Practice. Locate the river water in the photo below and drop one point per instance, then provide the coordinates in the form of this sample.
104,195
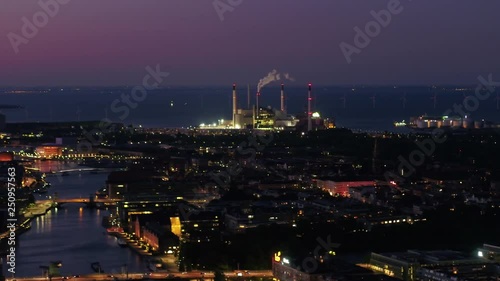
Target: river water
72,234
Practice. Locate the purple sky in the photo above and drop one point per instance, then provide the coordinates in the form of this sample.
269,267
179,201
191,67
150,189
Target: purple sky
96,42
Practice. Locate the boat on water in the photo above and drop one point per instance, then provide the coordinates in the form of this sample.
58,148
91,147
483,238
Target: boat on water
121,243
154,264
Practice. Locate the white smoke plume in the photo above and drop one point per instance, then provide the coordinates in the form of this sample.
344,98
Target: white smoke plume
271,77
288,77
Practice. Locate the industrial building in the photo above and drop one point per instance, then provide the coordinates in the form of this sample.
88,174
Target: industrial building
268,118
442,265
446,122
320,268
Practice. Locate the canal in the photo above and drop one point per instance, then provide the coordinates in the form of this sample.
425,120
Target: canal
72,234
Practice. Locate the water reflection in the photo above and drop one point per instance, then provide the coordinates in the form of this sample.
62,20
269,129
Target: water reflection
71,233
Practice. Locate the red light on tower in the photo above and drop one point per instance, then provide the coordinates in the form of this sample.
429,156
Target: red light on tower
309,109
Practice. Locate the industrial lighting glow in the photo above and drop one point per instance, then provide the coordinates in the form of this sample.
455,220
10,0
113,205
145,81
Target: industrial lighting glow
316,115
286,261
480,254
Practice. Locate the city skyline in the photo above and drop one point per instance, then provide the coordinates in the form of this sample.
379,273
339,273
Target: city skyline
249,140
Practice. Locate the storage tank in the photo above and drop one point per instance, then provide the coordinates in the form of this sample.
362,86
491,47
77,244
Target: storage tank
456,123
468,123
446,122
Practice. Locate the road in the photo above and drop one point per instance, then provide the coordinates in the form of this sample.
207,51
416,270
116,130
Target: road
153,276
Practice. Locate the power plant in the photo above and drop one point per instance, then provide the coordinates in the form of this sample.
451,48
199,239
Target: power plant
268,118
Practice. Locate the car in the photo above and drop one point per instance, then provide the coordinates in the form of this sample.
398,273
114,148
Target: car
76,276
184,272
239,274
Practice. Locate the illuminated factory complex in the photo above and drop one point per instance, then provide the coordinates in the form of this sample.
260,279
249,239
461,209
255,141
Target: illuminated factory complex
267,118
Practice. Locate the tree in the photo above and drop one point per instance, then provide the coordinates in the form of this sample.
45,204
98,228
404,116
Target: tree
219,276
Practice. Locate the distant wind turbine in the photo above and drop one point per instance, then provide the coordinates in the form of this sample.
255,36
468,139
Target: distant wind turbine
78,111
373,98
343,99
434,98
404,100
498,100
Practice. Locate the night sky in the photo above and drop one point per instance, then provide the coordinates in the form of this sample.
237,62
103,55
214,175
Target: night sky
97,42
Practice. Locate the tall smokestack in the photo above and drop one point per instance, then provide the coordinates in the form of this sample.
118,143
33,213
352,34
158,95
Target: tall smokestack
309,110
235,106
282,97
257,102
248,96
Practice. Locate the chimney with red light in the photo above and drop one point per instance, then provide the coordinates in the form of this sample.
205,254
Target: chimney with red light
235,106
309,110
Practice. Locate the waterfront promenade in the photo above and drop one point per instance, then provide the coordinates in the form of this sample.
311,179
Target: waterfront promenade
40,208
